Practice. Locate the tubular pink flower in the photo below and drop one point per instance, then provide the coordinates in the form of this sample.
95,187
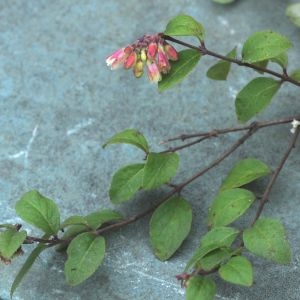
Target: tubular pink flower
153,72
117,59
162,60
131,60
171,52
152,50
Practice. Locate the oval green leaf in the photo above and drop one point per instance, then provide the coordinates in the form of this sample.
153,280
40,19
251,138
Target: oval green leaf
126,182
10,241
187,61
228,206
254,97
264,45
237,270
74,220
214,259
39,211
159,169
224,1
131,137
200,288
267,238
85,255
220,70
245,171
169,226
28,264
293,13
97,218
281,60
184,25
296,75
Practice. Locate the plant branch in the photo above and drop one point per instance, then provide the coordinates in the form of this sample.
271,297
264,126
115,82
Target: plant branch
204,51
264,198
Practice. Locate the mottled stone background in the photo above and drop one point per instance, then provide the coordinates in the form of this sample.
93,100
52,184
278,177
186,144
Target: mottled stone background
59,103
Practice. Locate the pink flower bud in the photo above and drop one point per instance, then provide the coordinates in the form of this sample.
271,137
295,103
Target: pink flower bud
138,69
152,49
131,60
162,61
117,59
153,72
171,52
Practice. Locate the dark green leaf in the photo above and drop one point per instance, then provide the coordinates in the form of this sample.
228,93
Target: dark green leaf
39,211
262,64
293,13
159,169
264,45
267,239
129,136
28,264
85,255
187,61
229,205
126,182
214,259
74,220
184,25
296,75
97,218
10,242
220,70
200,288
245,171
237,270
254,97
169,226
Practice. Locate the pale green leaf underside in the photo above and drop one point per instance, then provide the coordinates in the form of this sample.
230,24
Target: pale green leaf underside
10,241
293,13
200,288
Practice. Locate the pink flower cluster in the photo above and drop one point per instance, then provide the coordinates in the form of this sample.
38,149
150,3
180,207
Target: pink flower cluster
150,50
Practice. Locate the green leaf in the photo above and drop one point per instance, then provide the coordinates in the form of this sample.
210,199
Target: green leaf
245,171
184,25
10,241
293,13
264,45
187,61
39,211
159,169
267,239
261,64
129,136
74,220
254,97
97,218
126,182
229,205
296,75
237,270
223,1
222,235
169,226
281,60
200,288
221,69
216,238
28,264
71,231
214,259
85,255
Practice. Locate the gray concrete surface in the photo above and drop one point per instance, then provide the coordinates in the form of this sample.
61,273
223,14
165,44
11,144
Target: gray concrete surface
59,103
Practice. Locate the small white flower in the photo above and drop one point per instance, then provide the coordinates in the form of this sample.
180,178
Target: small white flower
295,123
